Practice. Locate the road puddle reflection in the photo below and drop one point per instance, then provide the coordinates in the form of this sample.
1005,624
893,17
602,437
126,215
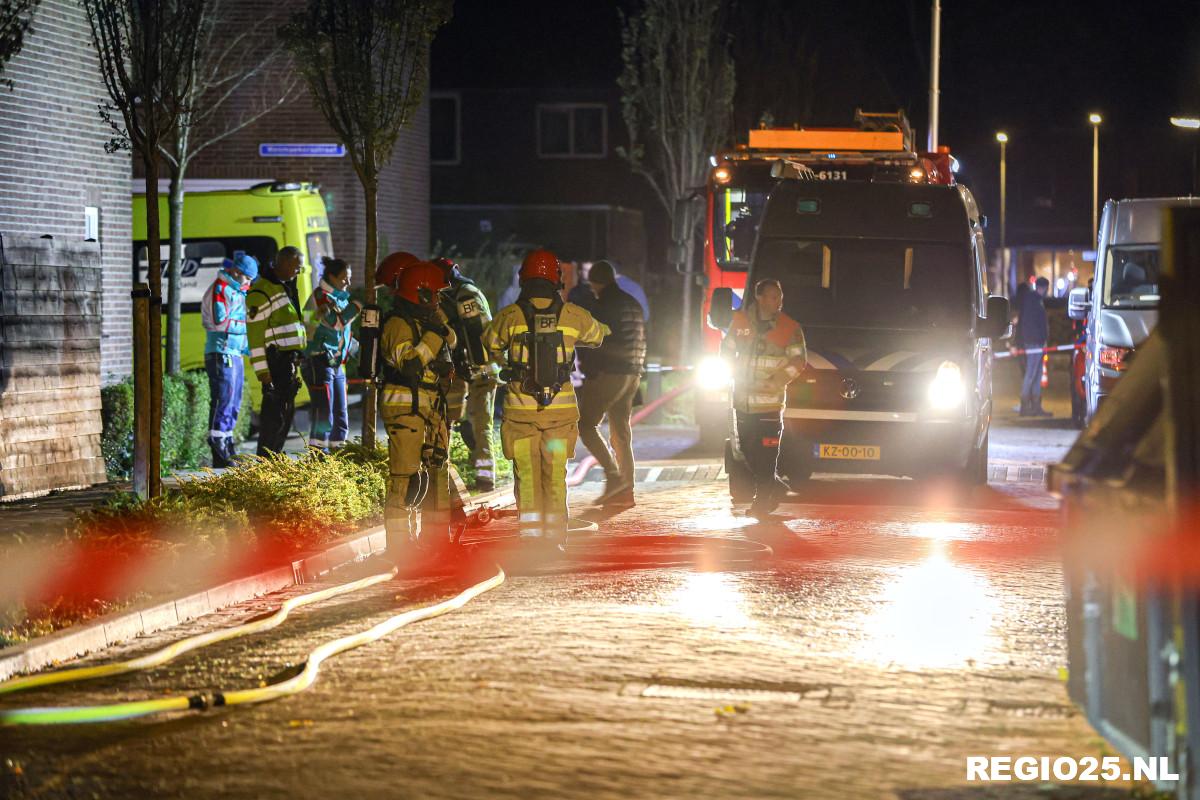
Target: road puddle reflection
709,599
934,614
716,521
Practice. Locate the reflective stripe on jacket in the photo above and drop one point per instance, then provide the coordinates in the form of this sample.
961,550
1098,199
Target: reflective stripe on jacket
503,341
397,347
228,314
766,356
271,319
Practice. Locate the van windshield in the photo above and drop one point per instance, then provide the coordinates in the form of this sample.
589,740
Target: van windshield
883,284
1131,277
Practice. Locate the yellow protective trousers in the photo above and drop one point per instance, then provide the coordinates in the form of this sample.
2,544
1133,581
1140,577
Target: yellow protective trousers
479,401
539,451
423,487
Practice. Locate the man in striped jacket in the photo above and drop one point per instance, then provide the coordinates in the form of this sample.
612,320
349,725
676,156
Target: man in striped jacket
767,350
277,341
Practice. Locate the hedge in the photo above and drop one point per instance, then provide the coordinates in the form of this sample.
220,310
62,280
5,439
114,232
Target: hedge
184,429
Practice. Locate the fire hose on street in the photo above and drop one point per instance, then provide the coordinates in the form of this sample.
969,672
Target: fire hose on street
290,684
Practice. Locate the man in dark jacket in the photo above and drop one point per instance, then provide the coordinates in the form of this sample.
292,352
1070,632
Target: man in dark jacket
1034,330
612,375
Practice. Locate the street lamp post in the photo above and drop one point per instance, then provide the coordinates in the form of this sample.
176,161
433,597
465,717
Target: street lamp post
1002,138
1189,124
1095,119
935,90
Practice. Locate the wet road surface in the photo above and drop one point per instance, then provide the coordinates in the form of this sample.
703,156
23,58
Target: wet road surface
891,630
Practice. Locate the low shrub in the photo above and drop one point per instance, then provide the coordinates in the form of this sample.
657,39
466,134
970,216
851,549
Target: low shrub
300,501
184,429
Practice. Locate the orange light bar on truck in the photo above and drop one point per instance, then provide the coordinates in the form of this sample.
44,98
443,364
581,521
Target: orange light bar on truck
826,140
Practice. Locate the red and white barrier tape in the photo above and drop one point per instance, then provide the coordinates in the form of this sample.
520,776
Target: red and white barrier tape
1062,348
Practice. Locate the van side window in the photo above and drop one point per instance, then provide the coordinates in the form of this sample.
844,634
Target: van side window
202,259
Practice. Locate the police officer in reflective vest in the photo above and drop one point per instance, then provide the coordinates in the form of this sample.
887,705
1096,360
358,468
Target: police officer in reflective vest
534,340
767,350
277,340
474,386
415,353
223,311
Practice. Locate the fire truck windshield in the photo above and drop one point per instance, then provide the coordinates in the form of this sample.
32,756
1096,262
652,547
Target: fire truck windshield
736,211
894,285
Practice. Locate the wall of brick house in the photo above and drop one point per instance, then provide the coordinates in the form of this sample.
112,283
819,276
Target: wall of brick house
53,164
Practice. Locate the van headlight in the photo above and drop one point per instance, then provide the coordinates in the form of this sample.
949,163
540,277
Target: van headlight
947,391
713,372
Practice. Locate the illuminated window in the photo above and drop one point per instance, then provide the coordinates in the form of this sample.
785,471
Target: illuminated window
572,131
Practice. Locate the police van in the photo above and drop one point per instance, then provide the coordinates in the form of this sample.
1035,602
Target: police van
888,281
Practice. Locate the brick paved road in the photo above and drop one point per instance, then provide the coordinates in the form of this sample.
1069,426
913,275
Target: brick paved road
893,633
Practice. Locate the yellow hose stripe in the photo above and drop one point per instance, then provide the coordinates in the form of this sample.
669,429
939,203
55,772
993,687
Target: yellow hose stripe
312,665
176,649
294,685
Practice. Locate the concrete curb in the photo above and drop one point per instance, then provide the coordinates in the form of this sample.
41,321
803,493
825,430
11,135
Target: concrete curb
119,626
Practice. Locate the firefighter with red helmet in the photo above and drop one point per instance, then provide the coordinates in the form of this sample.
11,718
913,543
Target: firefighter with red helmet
534,340
415,370
473,389
387,274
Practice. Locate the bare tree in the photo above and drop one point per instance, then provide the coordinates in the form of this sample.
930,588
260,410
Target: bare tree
231,61
15,16
677,85
147,51
366,65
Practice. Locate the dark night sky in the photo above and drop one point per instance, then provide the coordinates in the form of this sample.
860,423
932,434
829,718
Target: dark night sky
1032,68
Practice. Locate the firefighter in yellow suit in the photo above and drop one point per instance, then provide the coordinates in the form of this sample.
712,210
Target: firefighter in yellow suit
534,341
414,348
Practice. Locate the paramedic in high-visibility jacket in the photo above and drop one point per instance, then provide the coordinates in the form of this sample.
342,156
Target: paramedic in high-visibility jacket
275,325
767,351
223,311
534,341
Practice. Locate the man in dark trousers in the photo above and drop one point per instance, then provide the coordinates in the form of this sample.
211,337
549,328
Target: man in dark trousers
275,327
612,375
1034,331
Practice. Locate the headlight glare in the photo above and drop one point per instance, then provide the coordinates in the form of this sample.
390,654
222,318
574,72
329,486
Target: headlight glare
947,391
713,372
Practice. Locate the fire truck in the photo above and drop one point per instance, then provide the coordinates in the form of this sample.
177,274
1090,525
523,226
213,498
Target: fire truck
879,148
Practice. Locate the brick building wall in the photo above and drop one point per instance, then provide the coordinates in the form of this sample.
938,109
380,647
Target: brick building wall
404,183
53,165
